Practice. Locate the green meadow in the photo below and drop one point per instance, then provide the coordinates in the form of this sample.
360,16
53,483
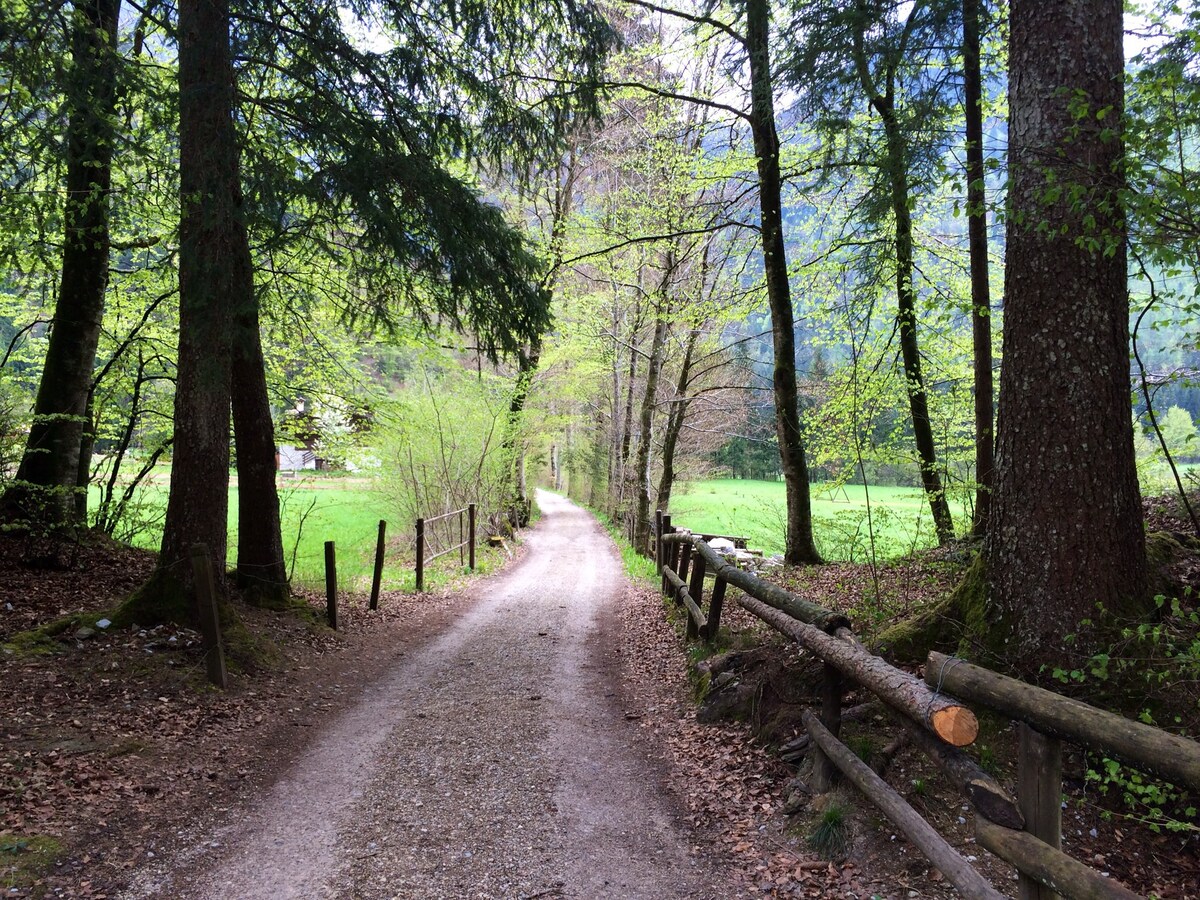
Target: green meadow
845,518
314,509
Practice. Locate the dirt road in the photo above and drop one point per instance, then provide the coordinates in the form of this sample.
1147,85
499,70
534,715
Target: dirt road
494,761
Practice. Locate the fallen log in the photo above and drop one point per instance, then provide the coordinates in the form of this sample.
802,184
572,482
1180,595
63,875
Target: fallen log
1049,866
907,694
984,793
937,850
1167,755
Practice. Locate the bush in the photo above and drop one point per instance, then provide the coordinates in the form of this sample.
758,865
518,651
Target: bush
444,447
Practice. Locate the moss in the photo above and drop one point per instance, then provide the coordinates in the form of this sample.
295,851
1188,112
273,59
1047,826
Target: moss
49,638
162,599
25,859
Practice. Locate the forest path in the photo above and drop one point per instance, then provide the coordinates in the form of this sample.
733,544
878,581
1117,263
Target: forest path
493,761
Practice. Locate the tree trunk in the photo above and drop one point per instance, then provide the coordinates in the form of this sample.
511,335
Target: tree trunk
597,461
799,546
641,522
675,422
906,318
1066,529
43,493
520,506
977,242
260,563
215,279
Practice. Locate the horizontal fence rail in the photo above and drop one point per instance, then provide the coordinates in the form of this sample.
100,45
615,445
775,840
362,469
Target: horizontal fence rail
465,545
1025,830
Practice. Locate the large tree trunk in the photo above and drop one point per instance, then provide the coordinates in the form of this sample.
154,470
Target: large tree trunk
1066,530
641,522
520,505
799,547
260,563
906,319
675,420
215,279
977,242
43,494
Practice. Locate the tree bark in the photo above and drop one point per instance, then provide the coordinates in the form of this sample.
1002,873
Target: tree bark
641,522
675,420
46,481
799,546
260,563
906,318
215,278
1066,529
977,244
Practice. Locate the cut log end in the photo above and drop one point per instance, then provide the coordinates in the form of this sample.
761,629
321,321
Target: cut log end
956,725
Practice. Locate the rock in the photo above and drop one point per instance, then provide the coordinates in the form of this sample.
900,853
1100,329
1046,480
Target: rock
84,633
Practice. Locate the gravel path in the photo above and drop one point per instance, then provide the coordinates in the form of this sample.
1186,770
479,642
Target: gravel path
494,761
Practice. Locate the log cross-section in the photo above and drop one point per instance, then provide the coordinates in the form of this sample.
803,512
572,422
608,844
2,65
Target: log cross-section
943,715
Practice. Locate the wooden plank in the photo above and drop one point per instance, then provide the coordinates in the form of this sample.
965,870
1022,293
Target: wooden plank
658,544
924,837
943,715
471,535
1172,757
1050,867
1039,793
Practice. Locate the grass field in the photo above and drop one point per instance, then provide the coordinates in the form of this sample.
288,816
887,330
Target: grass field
314,510
899,517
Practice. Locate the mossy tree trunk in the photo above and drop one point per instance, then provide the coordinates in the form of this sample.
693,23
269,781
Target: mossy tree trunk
1066,530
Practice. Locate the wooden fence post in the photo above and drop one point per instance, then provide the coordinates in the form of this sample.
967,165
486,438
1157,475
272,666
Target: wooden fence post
685,558
824,774
377,578
696,591
331,598
1039,795
420,555
658,536
471,535
210,622
714,610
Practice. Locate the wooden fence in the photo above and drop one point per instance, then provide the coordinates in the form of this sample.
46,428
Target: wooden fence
466,539
1025,830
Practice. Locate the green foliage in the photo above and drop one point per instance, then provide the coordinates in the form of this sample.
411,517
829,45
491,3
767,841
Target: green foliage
1157,659
441,448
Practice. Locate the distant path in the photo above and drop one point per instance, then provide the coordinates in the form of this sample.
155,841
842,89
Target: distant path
492,762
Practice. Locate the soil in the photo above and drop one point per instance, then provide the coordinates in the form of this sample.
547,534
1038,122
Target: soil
529,735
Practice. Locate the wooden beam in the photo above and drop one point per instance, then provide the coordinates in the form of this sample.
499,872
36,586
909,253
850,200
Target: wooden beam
944,716
1052,868
985,794
1172,757
937,850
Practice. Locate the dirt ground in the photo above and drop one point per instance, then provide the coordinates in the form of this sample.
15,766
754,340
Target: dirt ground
531,735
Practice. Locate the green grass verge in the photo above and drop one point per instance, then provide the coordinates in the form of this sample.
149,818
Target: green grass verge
899,517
